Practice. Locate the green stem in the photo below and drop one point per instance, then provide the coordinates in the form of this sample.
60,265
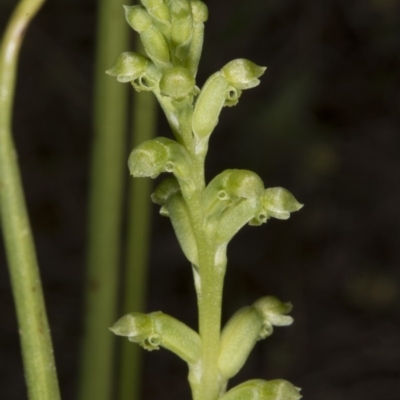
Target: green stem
105,207
138,238
34,331
209,385
210,304
205,383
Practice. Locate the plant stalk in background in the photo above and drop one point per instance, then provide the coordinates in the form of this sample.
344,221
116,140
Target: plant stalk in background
205,216
105,208
37,352
137,246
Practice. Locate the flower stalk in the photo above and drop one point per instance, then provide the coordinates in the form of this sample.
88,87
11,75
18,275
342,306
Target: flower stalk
205,216
37,351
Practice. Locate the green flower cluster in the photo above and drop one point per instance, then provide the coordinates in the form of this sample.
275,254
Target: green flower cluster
204,216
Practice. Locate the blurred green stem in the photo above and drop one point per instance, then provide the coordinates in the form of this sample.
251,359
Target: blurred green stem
39,365
138,238
105,207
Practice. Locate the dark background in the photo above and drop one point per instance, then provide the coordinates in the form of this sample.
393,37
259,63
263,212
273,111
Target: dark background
324,124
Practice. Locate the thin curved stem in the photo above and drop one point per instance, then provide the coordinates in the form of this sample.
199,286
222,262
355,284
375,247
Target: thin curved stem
34,331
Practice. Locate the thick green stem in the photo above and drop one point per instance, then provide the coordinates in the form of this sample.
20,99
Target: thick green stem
105,207
138,238
208,385
205,381
210,304
34,331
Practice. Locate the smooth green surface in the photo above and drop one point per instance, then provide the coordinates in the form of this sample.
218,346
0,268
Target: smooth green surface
105,207
38,359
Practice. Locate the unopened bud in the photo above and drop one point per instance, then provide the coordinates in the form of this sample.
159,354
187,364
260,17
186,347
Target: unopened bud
199,11
138,328
200,15
242,73
274,314
138,18
177,82
181,27
157,9
209,105
164,190
230,187
279,203
158,329
148,159
153,40
128,66
238,338
245,327
179,8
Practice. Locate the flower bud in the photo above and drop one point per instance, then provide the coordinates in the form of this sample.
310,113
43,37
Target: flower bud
154,42
180,165
148,79
138,18
230,187
242,73
177,337
279,203
273,311
177,82
165,189
241,183
199,11
238,338
245,327
181,35
234,218
222,89
181,27
158,329
209,105
258,389
160,16
148,159
230,201
128,66
138,328
157,9
200,15
179,8
158,155
156,47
